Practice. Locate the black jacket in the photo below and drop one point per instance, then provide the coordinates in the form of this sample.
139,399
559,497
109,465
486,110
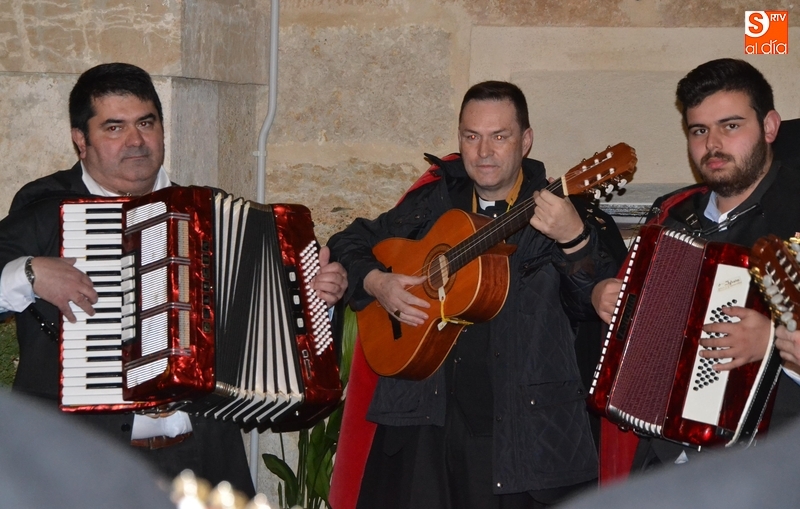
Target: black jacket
541,430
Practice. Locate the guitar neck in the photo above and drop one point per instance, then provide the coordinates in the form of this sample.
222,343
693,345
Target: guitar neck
496,231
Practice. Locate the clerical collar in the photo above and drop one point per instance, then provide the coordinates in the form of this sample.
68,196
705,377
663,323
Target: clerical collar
484,204
492,208
162,181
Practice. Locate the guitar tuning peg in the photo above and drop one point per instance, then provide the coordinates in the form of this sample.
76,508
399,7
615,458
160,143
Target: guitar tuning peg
621,183
610,188
597,194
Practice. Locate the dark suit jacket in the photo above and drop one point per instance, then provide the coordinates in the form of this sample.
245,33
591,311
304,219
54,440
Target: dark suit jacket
216,450
787,144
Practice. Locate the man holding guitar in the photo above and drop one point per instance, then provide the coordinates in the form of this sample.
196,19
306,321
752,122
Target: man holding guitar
500,420
746,193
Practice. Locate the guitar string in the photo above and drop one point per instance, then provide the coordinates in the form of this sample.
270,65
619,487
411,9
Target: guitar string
459,251
515,213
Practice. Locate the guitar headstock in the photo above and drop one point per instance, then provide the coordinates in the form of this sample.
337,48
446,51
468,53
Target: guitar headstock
603,172
775,268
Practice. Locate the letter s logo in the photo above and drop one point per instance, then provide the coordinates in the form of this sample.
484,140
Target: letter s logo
756,23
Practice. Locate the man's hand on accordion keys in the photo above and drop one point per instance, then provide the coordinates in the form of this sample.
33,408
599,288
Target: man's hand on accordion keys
331,281
743,341
58,282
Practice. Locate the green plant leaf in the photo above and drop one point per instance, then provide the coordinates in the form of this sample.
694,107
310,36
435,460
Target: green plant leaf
279,467
319,462
349,333
335,423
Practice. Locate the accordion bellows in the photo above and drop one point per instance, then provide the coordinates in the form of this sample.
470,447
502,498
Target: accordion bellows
216,313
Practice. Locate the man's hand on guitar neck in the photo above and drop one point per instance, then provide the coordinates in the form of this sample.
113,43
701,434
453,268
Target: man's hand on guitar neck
390,291
557,218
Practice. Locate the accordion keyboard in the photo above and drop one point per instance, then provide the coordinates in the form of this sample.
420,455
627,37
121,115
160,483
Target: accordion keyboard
92,366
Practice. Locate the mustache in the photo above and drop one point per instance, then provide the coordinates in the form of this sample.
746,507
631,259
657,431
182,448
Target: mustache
136,152
716,155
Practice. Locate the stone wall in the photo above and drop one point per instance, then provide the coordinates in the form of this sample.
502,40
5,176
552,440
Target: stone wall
366,86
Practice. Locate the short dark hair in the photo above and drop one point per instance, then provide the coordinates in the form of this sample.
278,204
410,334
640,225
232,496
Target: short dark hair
108,79
499,91
729,75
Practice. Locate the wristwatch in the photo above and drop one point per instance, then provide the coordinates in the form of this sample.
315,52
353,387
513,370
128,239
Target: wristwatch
29,271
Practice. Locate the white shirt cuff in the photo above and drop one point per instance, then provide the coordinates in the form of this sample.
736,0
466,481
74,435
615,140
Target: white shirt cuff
171,426
16,293
791,374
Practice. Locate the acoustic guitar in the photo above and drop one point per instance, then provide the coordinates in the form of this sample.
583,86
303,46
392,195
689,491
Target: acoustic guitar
776,269
464,258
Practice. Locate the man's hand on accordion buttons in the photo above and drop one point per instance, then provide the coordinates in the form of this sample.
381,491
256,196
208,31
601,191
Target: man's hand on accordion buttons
59,283
331,281
604,298
744,341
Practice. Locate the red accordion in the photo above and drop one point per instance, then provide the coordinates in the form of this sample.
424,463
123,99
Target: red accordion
650,377
205,304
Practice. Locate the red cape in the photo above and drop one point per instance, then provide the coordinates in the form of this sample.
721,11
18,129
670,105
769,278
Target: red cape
355,436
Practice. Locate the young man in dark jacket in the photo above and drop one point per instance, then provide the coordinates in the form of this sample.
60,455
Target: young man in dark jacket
502,423
746,193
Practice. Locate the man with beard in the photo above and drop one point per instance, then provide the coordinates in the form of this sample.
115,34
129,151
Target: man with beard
746,193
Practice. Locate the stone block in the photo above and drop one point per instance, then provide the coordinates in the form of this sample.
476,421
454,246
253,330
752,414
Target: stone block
69,37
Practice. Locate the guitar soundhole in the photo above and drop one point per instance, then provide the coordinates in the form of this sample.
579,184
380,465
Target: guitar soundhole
437,271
